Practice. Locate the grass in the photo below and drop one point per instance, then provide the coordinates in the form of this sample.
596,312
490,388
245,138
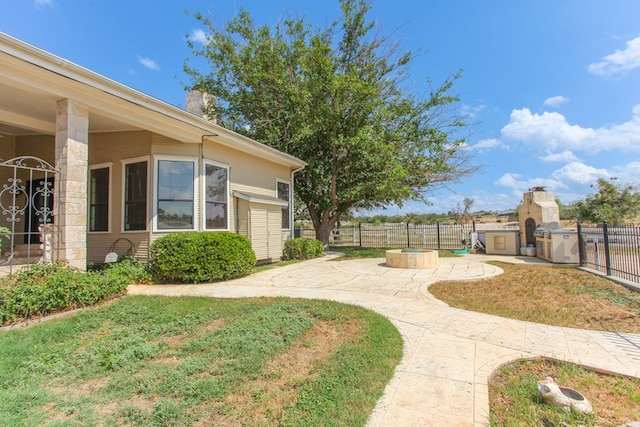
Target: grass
156,361
515,400
357,252
560,296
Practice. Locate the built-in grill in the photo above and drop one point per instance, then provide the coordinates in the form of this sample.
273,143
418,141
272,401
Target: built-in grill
544,230
556,244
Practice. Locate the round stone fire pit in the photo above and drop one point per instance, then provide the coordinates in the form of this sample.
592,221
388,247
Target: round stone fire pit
412,258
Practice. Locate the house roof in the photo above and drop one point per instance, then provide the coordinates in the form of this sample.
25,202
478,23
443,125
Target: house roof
33,80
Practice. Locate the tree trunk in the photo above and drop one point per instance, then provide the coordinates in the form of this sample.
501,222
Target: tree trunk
323,232
323,224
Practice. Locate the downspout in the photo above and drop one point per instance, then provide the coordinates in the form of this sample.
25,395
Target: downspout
237,209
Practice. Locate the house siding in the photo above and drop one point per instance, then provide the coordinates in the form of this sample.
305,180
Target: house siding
247,173
112,148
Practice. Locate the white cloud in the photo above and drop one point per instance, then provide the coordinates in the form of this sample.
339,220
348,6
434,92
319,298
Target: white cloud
579,173
550,131
520,186
485,144
493,202
620,61
149,63
556,101
40,3
198,36
564,157
629,173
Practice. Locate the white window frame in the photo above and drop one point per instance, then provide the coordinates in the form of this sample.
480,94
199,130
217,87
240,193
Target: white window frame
204,194
196,193
109,166
290,201
126,162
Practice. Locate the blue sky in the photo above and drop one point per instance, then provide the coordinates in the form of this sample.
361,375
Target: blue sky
552,87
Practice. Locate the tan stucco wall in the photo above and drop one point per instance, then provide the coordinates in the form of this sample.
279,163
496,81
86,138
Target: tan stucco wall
248,173
502,242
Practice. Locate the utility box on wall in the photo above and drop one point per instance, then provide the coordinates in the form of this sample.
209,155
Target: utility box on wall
502,242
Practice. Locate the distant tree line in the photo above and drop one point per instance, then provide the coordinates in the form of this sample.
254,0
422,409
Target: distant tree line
613,203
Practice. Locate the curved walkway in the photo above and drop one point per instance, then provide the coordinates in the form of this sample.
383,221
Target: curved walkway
449,354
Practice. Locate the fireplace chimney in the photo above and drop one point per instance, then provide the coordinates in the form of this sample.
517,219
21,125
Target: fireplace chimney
197,102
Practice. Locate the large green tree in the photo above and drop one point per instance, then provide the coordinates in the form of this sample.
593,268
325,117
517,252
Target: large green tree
338,98
613,203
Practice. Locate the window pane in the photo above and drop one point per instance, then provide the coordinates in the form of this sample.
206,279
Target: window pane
216,216
175,215
135,196
175,180
216,197
283,194
175,194
99,200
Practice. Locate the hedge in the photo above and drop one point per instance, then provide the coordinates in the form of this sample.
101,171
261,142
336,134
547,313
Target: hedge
49,288
200,256
301,248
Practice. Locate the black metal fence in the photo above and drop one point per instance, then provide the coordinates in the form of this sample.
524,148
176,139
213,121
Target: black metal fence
427,236
612,250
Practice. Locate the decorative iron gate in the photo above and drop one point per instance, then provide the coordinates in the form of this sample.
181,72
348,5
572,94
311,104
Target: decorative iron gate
27,201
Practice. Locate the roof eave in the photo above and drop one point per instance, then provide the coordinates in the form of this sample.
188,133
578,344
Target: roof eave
187,127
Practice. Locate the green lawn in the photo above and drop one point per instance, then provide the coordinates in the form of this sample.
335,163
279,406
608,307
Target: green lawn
156,361
559,296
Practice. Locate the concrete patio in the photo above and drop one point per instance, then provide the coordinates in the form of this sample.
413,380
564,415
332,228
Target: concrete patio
449,354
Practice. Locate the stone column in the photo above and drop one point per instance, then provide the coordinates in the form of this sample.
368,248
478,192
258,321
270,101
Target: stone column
72,158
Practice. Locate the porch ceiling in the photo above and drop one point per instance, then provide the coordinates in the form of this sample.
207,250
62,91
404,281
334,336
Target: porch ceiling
32,82
32,111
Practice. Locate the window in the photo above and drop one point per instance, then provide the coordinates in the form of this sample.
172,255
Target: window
175,195
216,196
135,196
99,198
284,194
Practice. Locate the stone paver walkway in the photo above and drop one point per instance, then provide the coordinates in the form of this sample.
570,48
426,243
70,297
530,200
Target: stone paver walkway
449,354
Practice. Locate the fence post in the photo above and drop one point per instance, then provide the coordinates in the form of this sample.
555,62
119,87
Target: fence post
581,249
438,232
408,239
607,254
360,233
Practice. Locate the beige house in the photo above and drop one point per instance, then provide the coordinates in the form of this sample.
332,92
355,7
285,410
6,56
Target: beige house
111,169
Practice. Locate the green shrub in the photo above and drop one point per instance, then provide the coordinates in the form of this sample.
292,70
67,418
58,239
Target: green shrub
196,257
131,268
49,288
301,248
